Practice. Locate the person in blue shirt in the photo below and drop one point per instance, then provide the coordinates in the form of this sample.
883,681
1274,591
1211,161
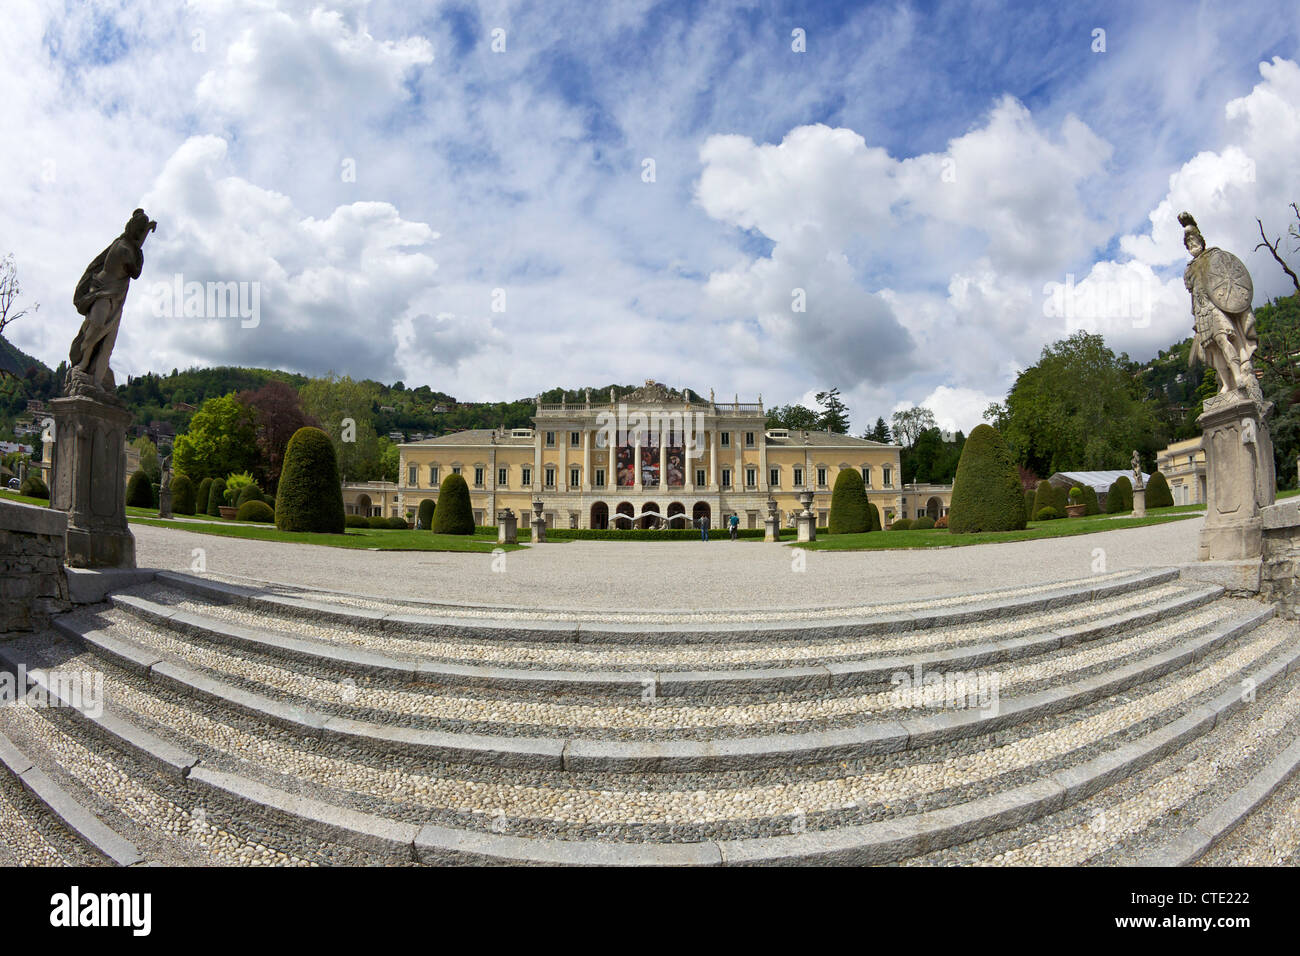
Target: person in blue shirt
734,523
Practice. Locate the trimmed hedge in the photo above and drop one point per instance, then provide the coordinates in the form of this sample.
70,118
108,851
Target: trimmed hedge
424,520
1158,493
923,523
182,495
986,494
849,514
201,496
1119,498
902,524
34,487
385,524
310,497
1090,500
1044,497
356,521
139,493
1029,505
248,493
875,518
255,511
454,515
216,497
1047,513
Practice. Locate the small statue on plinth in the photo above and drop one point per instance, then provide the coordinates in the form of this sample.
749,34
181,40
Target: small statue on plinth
1137,470
100,296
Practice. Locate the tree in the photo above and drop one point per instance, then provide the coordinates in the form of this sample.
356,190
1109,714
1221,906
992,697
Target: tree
835,414
148,457
793,417
216,497
1119,498
345,409
310,496
1079,409
909,424
1158,493
986,494
221,439
849,513
277,415
879,432
182,495
1044,497
139,493
454,514
425,519
10,291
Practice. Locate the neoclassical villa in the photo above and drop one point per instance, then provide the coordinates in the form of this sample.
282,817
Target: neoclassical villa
653,457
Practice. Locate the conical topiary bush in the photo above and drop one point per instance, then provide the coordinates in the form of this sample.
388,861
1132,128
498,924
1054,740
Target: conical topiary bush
454,514
309,496
849,513
986,494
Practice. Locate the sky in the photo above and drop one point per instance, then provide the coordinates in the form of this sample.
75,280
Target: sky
906,201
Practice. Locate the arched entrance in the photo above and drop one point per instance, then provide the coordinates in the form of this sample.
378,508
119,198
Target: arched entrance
623,515
649,515
363,505
701,510
677,515
600,515
934,508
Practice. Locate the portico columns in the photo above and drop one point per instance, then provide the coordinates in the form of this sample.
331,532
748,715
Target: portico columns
586,459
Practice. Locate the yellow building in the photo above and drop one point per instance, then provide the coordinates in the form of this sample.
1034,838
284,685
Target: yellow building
1183,465
651,457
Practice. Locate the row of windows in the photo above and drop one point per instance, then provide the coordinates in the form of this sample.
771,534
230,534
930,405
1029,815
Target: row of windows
701,477
575,439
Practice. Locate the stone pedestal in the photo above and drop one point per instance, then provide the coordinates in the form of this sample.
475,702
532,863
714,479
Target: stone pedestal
88,481
164,503
1239,476
1139,502
507,527
771,528
806,526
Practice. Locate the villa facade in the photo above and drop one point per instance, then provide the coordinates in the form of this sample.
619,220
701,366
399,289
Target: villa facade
653,457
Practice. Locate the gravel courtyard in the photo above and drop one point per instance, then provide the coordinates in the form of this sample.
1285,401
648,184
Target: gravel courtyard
673,575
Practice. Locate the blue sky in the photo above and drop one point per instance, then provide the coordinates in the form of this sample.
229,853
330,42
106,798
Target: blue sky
924,173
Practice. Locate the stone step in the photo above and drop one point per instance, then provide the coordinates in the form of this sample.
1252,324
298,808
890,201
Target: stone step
577,753
670,628
1269,835
1136,815
875,842
844,671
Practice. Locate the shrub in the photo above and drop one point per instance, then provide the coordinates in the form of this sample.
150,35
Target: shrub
986,494
1092,506
1060,497
941,521
1029,505
875,518
901,524
386,524
1047,513
255,511
235,484
182,496
356,521
425,519
1076,495
923,523
34,487
1119,498
453,514
245,494
1044,497
309,497
201,497
849,514
139,494
216,496
1158,493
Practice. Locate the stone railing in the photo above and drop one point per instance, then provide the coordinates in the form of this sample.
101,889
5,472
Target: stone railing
1278,576
33,585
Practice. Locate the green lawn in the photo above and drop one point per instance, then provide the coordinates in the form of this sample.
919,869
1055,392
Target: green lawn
366,539
941,538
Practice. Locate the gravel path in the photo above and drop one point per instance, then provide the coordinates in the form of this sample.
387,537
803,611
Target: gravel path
674,575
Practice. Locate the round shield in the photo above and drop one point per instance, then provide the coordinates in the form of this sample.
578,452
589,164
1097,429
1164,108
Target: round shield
1228,282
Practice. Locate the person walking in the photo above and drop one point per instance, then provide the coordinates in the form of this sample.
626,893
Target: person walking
703,523
734,524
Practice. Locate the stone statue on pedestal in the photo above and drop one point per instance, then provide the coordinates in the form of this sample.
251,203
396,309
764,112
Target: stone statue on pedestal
100,296
1137,470
165,489
1240,476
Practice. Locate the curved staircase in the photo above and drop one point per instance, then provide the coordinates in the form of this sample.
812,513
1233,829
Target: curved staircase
1124,719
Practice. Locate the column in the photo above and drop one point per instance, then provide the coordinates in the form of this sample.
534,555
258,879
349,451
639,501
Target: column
737,476
636,461
663,462
537,460
713,458
762,460
562,479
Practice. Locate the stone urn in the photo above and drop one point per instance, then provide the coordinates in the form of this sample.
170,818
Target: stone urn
1076,510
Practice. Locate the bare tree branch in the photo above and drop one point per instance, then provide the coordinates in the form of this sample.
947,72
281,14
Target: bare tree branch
1272,248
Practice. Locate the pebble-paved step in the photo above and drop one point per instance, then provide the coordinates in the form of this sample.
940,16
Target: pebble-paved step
879,841
679,629
161,813
982,812
335,692
1123,823
866,663
1270,836
521,745
33,830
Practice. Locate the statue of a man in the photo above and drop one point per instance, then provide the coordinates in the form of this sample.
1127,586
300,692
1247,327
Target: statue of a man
1224,321
1137,470
165,481
99,297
